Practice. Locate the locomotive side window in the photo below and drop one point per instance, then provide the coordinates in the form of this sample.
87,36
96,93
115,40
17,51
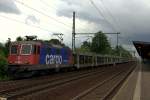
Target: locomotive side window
14,49
26,49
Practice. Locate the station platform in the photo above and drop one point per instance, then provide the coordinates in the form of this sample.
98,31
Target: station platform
137,85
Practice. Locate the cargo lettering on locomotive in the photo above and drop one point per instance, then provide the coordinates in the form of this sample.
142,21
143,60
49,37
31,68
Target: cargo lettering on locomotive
53,59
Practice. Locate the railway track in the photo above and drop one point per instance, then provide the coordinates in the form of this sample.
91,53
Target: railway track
108,86
29,86
50,88
10,85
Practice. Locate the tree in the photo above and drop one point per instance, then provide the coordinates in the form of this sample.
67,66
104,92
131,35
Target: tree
3,61
2,50
86,44
123,52
55,41
100,44
120,51
85,47
6,46
19,38
3,66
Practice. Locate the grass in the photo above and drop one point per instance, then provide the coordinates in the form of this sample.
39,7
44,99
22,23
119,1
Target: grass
4,78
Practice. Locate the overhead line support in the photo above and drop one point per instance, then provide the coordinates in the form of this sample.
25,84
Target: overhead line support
73,33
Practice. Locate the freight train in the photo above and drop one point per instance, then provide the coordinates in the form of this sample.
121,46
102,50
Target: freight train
29,57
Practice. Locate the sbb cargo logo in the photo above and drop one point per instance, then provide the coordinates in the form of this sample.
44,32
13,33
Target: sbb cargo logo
53,59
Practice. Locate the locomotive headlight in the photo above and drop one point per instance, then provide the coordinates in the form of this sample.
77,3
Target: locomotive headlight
10,62
26,62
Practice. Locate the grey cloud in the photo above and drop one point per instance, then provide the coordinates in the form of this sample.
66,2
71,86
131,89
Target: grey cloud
80,14
32,19
140,37
84,13
70,2
8,6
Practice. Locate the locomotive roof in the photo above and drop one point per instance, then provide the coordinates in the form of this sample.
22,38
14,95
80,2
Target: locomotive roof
26,42
39,42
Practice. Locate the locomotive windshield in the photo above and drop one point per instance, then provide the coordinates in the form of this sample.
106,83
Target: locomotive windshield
26,49
13,49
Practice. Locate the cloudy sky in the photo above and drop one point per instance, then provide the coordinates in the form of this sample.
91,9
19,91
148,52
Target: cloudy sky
45,17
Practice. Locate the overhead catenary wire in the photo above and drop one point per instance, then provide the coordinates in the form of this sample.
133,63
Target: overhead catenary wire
12,19
46,4
126,39
100,12
121,39
49,6
110,14
40,12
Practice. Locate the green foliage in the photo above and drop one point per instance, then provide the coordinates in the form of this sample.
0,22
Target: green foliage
3,61
56,42
83,50
19,38
123,52
100,44
86,44
120,51
6,47
3,50
114,52
3,66
85,47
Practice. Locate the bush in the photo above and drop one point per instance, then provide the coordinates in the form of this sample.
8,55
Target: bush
3,67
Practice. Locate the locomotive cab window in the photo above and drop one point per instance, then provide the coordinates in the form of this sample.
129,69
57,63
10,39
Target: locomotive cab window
13,49
26,49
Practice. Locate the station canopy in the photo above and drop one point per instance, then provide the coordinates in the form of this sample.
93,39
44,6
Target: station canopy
143,49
